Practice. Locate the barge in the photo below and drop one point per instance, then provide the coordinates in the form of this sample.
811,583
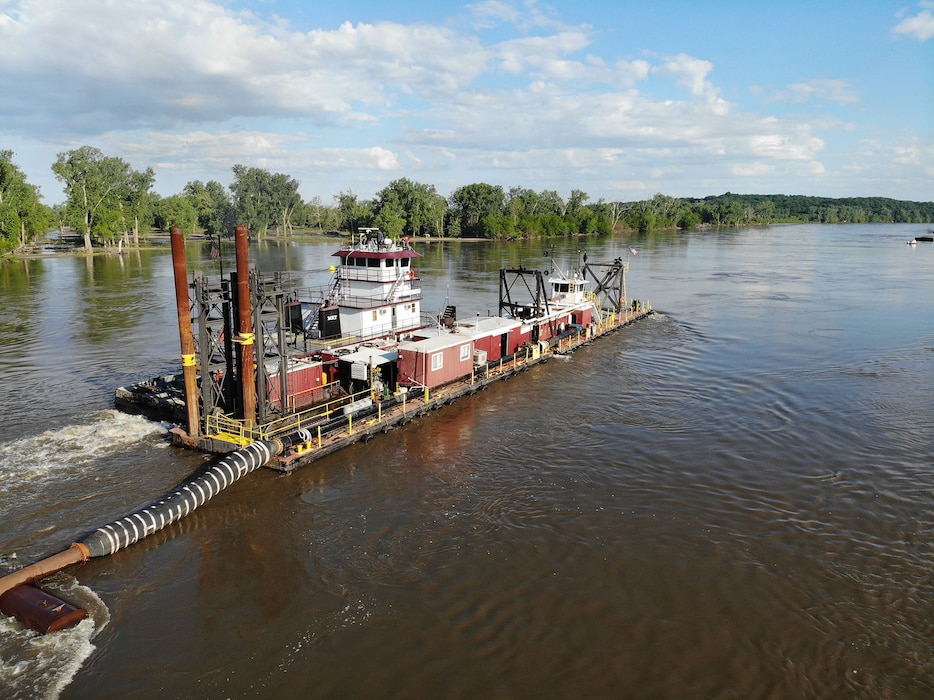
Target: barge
278,377
333,366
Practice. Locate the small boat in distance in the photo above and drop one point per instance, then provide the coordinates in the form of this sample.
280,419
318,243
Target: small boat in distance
926,238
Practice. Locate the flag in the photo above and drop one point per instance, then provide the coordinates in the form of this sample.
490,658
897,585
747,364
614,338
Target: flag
632,251
215,253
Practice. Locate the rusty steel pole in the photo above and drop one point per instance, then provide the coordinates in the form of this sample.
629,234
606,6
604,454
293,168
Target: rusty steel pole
246,370
186,337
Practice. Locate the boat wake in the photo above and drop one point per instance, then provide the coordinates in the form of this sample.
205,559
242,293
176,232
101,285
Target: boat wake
49,454
33,665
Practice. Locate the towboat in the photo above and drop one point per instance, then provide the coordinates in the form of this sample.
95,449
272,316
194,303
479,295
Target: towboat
357,356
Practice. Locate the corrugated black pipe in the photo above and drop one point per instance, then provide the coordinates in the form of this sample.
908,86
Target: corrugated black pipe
174,505
183,500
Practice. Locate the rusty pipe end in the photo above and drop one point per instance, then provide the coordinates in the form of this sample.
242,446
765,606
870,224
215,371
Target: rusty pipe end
77,553
40,610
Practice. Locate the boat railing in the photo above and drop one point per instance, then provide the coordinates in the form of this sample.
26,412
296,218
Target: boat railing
384,330
311,295
367,274
379,299
239,431
376,247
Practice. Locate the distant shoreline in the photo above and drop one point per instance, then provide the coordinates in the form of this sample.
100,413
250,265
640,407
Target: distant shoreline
160,239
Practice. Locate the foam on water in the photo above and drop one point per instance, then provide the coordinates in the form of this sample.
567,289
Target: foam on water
33,665
49,454
41,666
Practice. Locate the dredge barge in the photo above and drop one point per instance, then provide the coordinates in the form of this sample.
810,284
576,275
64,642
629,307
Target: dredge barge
277,377
357,357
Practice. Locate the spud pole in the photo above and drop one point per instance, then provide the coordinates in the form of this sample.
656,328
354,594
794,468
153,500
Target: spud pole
186,338
247,375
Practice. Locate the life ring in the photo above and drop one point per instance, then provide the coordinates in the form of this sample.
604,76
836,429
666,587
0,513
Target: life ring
411,274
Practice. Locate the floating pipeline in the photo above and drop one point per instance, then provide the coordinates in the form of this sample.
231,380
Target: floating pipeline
45,613
121,533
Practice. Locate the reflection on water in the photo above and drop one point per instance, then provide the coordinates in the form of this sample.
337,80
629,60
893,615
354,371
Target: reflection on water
730,499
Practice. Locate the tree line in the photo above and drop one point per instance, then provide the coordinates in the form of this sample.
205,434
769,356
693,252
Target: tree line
108,204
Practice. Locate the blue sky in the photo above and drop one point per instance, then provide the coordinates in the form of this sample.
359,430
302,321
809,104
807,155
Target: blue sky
619,99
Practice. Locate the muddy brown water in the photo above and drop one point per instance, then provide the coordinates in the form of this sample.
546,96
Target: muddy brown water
732,499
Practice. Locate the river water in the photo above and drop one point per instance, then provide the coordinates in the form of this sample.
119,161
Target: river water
732,499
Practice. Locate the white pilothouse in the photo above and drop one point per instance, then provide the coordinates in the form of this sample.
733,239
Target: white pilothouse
375,286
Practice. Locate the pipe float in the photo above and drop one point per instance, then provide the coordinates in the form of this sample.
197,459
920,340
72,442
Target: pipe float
33,609
39,610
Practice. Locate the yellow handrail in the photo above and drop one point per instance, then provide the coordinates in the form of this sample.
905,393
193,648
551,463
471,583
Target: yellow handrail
241,432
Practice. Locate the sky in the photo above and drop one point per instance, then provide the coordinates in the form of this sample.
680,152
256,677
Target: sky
620,99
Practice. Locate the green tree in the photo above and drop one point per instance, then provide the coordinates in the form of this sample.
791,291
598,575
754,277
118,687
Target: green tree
522,205
60,216
314,214
212,203
352,213
95,186
689,219
576,215
391,220
23,217
177,210
10,225
765,211
437,215
251,196
553,225
263,199
419,205
473,205
108,224
285,198
138,201
552,202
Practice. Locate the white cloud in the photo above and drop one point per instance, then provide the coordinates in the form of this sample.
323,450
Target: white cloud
919,26
754,169
525,15
786,146
490,13
907,155
191,87
689,72
830,90
518,55
167,62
